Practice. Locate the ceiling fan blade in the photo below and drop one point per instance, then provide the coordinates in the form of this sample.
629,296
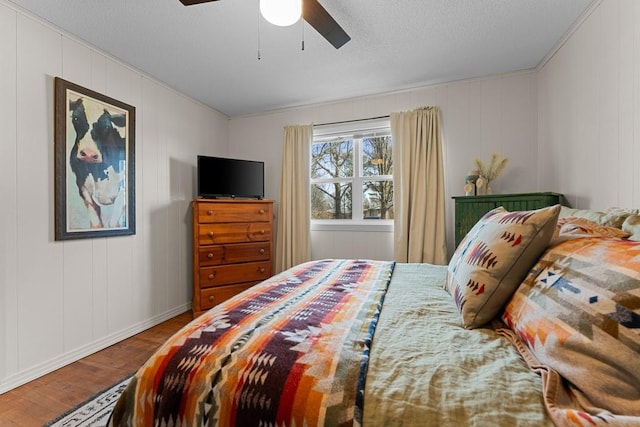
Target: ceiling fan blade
318,17
190,2
315,15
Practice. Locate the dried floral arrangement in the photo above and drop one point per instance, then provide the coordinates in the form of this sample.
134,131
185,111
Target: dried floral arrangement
493,169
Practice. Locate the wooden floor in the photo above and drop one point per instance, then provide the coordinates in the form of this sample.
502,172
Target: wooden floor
42,400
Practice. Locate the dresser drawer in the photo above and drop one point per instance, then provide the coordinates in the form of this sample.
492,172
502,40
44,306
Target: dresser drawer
214,296
232,248
233,253
210,234
236,273
234,212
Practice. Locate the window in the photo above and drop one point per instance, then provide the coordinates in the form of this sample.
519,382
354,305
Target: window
352,173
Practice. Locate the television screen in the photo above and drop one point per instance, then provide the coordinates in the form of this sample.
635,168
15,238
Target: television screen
222,177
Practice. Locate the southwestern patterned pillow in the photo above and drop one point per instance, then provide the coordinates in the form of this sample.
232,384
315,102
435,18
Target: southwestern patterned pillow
578,311
493,259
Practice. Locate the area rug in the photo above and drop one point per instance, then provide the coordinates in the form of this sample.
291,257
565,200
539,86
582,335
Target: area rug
95,411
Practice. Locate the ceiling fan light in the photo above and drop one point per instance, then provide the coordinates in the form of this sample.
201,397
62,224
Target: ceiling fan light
281,12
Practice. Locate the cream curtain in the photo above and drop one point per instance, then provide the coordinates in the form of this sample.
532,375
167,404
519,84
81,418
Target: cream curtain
419,225
293,242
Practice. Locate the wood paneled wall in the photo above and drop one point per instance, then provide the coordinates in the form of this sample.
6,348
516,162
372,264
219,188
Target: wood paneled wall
60,301
479,117
589,115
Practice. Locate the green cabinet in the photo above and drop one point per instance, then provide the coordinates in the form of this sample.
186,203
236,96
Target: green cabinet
469,209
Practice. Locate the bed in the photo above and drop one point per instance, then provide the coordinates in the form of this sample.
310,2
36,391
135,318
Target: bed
361,342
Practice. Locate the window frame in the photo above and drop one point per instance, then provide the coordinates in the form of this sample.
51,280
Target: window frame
356,131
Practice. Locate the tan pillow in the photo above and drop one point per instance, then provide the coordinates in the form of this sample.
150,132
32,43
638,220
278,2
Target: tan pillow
576,227
611,217
494,257
632,226
615,217
595,216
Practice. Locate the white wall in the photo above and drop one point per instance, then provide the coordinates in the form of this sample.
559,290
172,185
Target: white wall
62,300
480,117
589,115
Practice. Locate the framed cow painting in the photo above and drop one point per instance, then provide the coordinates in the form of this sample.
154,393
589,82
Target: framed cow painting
94,164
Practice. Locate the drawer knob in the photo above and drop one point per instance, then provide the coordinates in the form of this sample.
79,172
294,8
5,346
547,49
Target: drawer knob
262,250
261,211
261,269
209,213
261,231
211,298
210,234
212,276
210,255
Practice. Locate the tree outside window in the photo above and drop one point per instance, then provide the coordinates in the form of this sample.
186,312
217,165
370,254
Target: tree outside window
341,165
377,161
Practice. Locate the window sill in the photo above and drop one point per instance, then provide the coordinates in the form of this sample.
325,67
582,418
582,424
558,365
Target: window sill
364,225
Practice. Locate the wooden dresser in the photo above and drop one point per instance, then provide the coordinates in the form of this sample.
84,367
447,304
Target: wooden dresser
469,209
232,248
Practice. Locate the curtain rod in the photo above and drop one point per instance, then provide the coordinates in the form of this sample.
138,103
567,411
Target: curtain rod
353,121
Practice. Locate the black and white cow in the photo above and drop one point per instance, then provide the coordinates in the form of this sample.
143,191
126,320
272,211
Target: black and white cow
98,160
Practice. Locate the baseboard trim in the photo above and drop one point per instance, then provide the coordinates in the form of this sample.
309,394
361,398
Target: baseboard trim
58,362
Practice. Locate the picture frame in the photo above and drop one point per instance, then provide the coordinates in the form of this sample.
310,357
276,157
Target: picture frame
94,151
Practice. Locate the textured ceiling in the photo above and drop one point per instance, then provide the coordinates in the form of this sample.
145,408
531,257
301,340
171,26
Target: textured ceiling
210,51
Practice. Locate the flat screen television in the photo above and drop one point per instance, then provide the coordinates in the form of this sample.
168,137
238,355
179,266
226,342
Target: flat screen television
223,177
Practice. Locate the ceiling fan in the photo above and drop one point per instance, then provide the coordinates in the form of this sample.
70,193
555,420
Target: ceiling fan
315,15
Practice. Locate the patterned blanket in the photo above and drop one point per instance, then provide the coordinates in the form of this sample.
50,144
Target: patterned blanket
292,351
